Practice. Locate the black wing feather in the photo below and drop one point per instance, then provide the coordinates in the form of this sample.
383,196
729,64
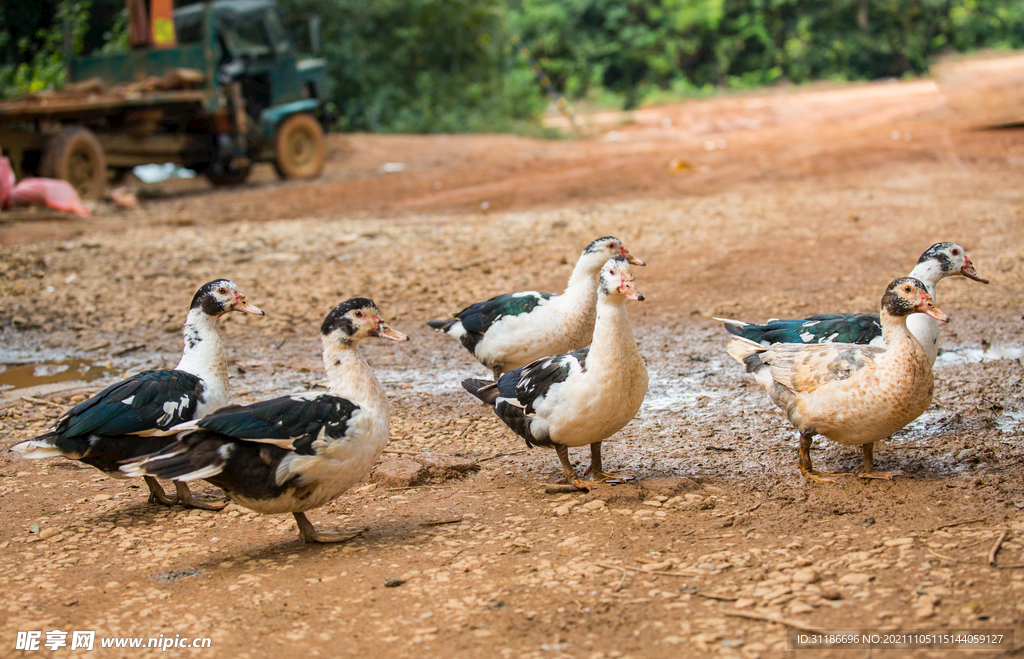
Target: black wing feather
528,383
480,316
285,418
106,414
861,328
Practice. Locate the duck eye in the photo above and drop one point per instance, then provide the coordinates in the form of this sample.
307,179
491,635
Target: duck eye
222,290
359,314
956,252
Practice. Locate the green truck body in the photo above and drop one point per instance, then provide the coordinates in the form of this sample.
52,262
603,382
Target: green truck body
234,91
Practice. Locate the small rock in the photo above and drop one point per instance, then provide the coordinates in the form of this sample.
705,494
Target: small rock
798,607
744,602
899,542
596,504
806,575
443,467
399,473
48,533
925,611
855,579
102,497
655,504
391,582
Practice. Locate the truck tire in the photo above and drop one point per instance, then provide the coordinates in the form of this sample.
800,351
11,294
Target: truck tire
225,176
300,148
75,155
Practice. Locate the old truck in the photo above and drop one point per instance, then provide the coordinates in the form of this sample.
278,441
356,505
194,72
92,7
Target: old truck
230,89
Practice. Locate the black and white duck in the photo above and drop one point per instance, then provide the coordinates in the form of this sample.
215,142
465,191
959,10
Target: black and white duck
514,329
583,397
938,261
294,453
130,418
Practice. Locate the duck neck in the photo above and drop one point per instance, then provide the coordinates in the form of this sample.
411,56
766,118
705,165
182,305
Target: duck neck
350,377
929,273
613,336
900,342
583,280
204,353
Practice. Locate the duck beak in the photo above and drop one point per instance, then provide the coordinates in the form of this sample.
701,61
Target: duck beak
928,308
243,306
628,288
382,331
969,272
632,259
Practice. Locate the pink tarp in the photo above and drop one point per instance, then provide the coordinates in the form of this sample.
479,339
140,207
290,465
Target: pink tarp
53,193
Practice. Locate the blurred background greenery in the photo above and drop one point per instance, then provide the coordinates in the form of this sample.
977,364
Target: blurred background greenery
449,65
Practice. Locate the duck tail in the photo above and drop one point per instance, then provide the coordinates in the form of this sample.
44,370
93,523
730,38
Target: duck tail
735,327
485,390
43,446
746,352
182,461
442,325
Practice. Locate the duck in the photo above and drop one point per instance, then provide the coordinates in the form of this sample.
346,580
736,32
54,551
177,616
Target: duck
582,397
513,329
939,261
130,418
852,394
293,453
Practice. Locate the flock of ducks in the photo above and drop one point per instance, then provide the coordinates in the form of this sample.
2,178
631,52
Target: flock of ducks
567,373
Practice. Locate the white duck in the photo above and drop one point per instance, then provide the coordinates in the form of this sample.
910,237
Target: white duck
938,261
514,329
582,397
852,394
130,418
294,453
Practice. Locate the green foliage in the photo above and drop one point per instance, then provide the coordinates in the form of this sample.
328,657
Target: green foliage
640,50
423,65
448,65
42,58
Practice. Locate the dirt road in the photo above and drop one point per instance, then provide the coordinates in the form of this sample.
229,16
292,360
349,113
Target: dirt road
793,202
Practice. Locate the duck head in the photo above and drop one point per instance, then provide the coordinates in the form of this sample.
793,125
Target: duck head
617,279
945,260
356,319
908,295
602,249
220,297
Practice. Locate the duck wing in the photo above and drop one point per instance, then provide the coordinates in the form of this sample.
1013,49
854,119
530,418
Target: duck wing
290,422
859,328
805,368
146,401
531,383
480,316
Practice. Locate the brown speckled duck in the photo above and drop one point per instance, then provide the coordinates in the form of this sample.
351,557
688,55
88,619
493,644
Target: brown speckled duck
852,394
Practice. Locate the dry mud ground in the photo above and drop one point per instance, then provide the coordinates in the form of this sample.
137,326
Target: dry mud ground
786,203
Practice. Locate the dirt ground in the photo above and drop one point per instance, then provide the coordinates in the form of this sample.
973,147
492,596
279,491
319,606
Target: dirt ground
787,203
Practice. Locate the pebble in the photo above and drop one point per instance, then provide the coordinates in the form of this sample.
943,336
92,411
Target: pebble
855,579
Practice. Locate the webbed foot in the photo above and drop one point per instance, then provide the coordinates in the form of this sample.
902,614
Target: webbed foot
157,494
308,532
187,499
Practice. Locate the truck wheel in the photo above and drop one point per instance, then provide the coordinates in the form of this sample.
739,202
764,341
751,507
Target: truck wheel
227,176
300,147
75,155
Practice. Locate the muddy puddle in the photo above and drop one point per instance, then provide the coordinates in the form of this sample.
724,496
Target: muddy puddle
20,376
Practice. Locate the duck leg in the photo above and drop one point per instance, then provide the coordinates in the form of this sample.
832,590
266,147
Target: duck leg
805,462
187,499
308,532
867,468
497,372
157,494
600,475
570,473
